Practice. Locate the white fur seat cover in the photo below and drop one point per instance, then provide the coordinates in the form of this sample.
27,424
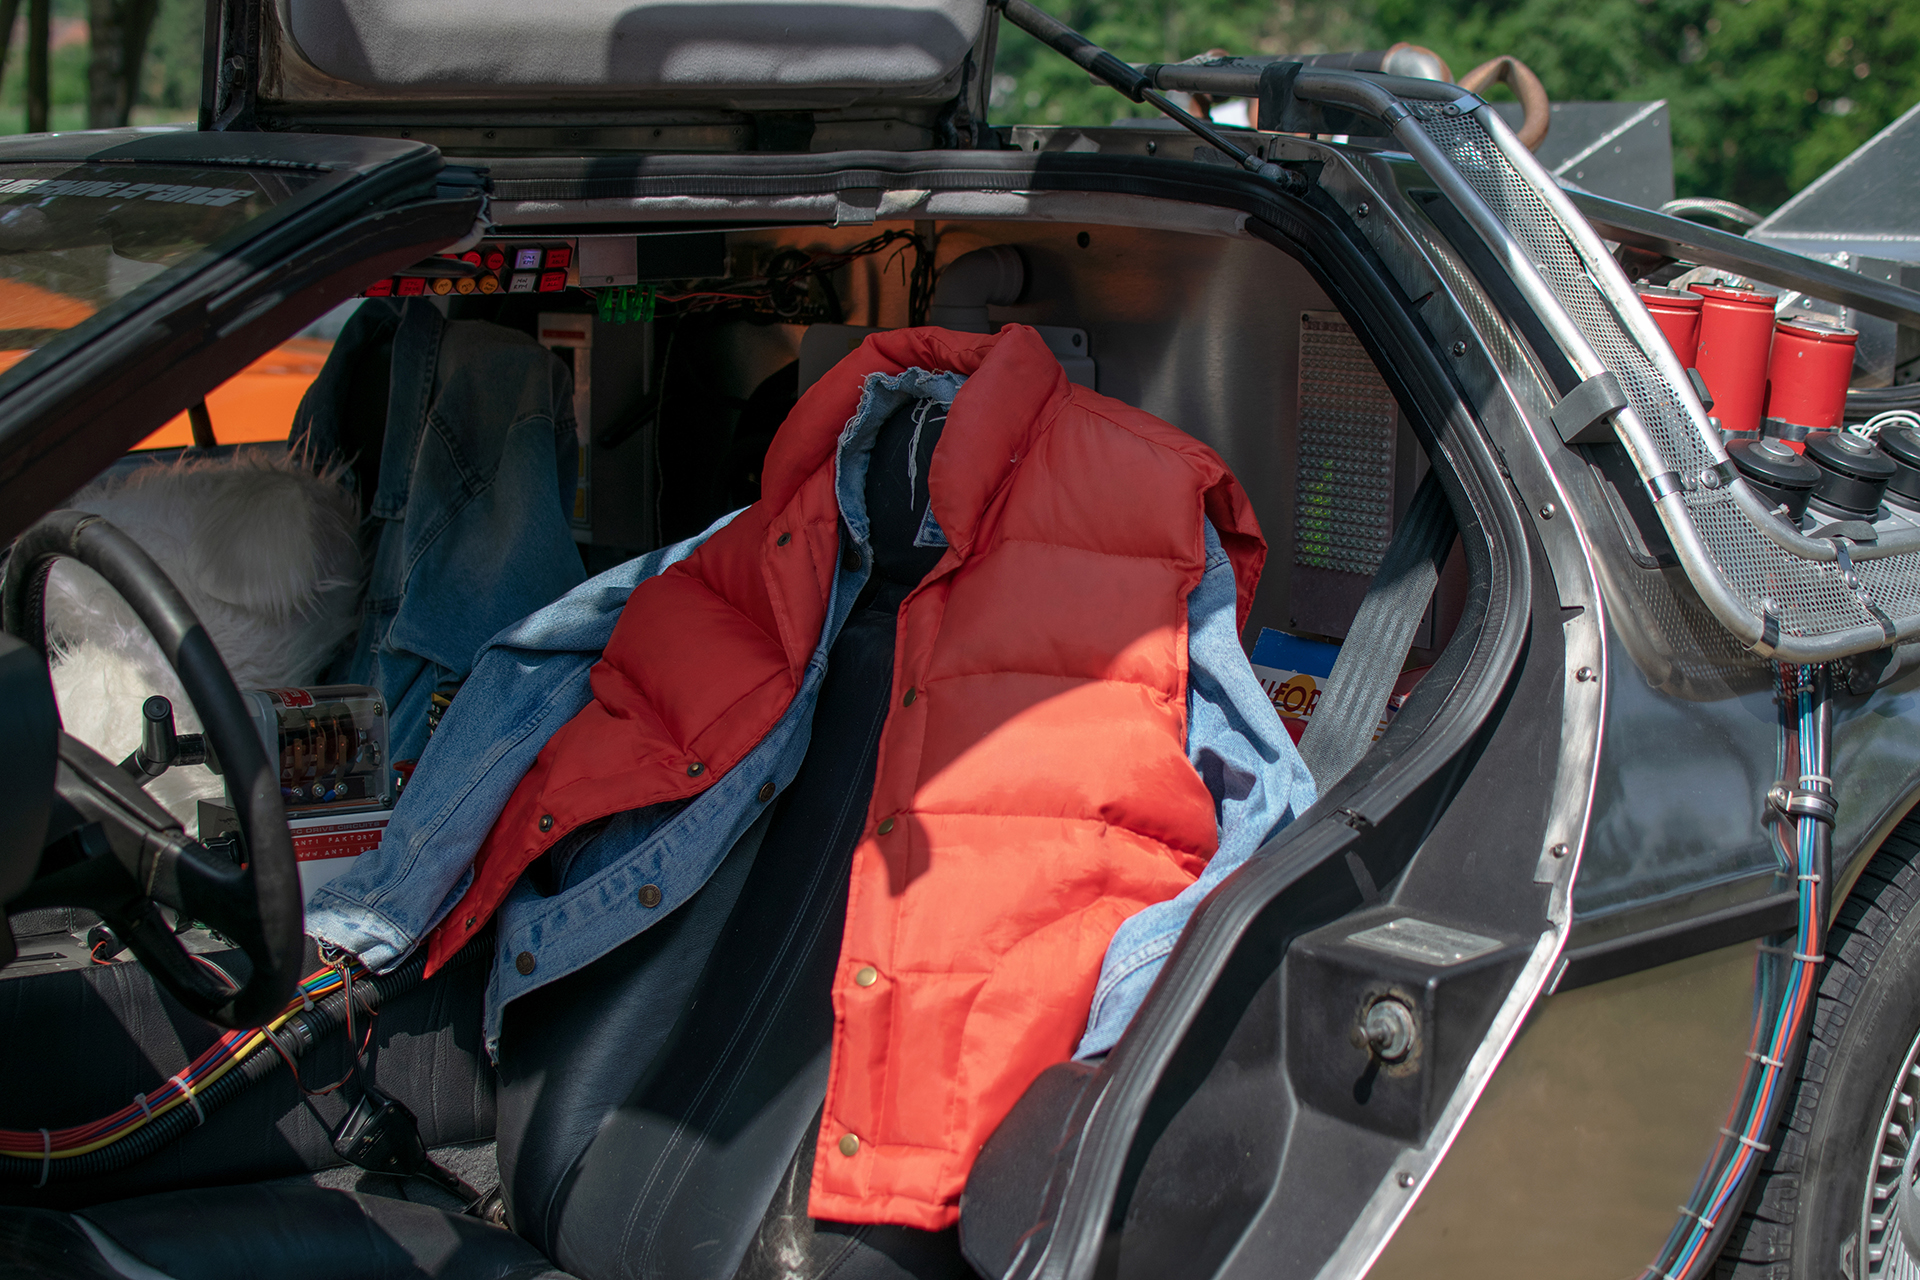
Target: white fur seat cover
265,552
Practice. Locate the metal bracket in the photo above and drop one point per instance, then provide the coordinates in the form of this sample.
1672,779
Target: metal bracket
1700,388
1665,485
1580,417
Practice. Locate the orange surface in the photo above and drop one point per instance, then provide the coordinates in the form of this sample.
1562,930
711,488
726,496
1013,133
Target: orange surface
256,404
28,306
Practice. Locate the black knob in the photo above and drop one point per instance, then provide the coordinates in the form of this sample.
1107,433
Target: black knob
1902,444
1854,474
159,745
1780,475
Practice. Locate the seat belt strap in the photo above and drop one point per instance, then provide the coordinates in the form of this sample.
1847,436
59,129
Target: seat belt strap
1349,709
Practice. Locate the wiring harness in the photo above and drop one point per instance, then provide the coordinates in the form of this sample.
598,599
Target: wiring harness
1865,403
329,999
792,287
1802,813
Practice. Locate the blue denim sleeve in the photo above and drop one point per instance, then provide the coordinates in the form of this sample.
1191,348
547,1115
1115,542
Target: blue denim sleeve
1259,784
527,682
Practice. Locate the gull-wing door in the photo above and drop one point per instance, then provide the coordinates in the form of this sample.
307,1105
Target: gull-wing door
140,268
479,77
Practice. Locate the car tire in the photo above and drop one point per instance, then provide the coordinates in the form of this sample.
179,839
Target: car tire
1804,1219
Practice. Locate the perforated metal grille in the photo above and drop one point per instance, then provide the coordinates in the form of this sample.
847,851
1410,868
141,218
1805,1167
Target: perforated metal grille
1809,593
1343,505
1808,598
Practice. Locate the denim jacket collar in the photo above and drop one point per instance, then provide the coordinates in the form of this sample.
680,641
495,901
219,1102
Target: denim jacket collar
533,677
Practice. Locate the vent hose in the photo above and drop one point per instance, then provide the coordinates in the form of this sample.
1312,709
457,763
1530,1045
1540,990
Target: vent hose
1526,86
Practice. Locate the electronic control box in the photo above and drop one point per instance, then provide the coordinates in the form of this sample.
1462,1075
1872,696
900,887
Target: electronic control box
330,743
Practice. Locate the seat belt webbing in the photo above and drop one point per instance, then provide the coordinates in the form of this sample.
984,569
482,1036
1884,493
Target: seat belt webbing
1362,679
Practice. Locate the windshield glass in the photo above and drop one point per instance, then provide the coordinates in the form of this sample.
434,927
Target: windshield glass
76,239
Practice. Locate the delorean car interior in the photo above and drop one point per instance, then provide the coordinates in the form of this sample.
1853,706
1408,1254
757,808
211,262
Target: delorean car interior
297,329
680,375
686,347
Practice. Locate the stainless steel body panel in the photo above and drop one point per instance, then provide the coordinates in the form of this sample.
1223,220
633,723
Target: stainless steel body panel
1605,1097
1591,1132
1190,318
1584,1117
1613,1094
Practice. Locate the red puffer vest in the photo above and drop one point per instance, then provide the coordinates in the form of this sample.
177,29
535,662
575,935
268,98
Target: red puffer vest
1032,789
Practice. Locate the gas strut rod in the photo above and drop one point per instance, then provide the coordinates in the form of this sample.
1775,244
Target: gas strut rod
1127,79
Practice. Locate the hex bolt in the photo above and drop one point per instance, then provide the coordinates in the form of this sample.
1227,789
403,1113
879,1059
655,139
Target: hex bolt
1389,1028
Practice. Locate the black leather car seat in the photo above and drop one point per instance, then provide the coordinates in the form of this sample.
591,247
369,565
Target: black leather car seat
657,1109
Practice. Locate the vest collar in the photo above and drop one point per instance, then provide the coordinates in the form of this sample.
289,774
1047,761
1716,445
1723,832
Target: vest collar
1014,386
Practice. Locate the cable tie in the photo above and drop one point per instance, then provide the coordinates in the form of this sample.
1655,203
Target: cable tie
46,1158
1761,1057
199,1116
1811,879
1821,778
1702,1220
1819,959
140,1100
1745,1141
306,1001
1776,951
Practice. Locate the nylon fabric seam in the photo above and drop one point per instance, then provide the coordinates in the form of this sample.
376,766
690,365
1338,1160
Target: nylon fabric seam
1013,539
803,922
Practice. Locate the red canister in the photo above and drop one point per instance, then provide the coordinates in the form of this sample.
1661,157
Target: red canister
1736,334
1808,374
1677,312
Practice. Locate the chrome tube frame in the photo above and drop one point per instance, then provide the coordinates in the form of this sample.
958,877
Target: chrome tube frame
1757,630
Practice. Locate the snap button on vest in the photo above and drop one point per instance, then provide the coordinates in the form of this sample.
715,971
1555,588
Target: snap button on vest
911,695
783,540
546,822
850,558
695,769
766,792
849,1145
886,825
867,976
525,963
649,895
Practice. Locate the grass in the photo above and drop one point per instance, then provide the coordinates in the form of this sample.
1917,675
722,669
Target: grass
67,116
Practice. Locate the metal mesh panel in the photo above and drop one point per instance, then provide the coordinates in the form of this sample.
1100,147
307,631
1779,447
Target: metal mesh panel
1808,598
1343,510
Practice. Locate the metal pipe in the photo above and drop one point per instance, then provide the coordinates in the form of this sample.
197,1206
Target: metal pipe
1526,86
1370,95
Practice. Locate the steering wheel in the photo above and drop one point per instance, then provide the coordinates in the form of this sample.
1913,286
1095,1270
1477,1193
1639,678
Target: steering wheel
110,849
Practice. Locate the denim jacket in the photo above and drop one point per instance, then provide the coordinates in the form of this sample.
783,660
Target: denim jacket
533,678
469,524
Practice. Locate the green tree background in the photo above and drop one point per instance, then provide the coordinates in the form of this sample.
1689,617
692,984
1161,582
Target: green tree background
1766,94
170,73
